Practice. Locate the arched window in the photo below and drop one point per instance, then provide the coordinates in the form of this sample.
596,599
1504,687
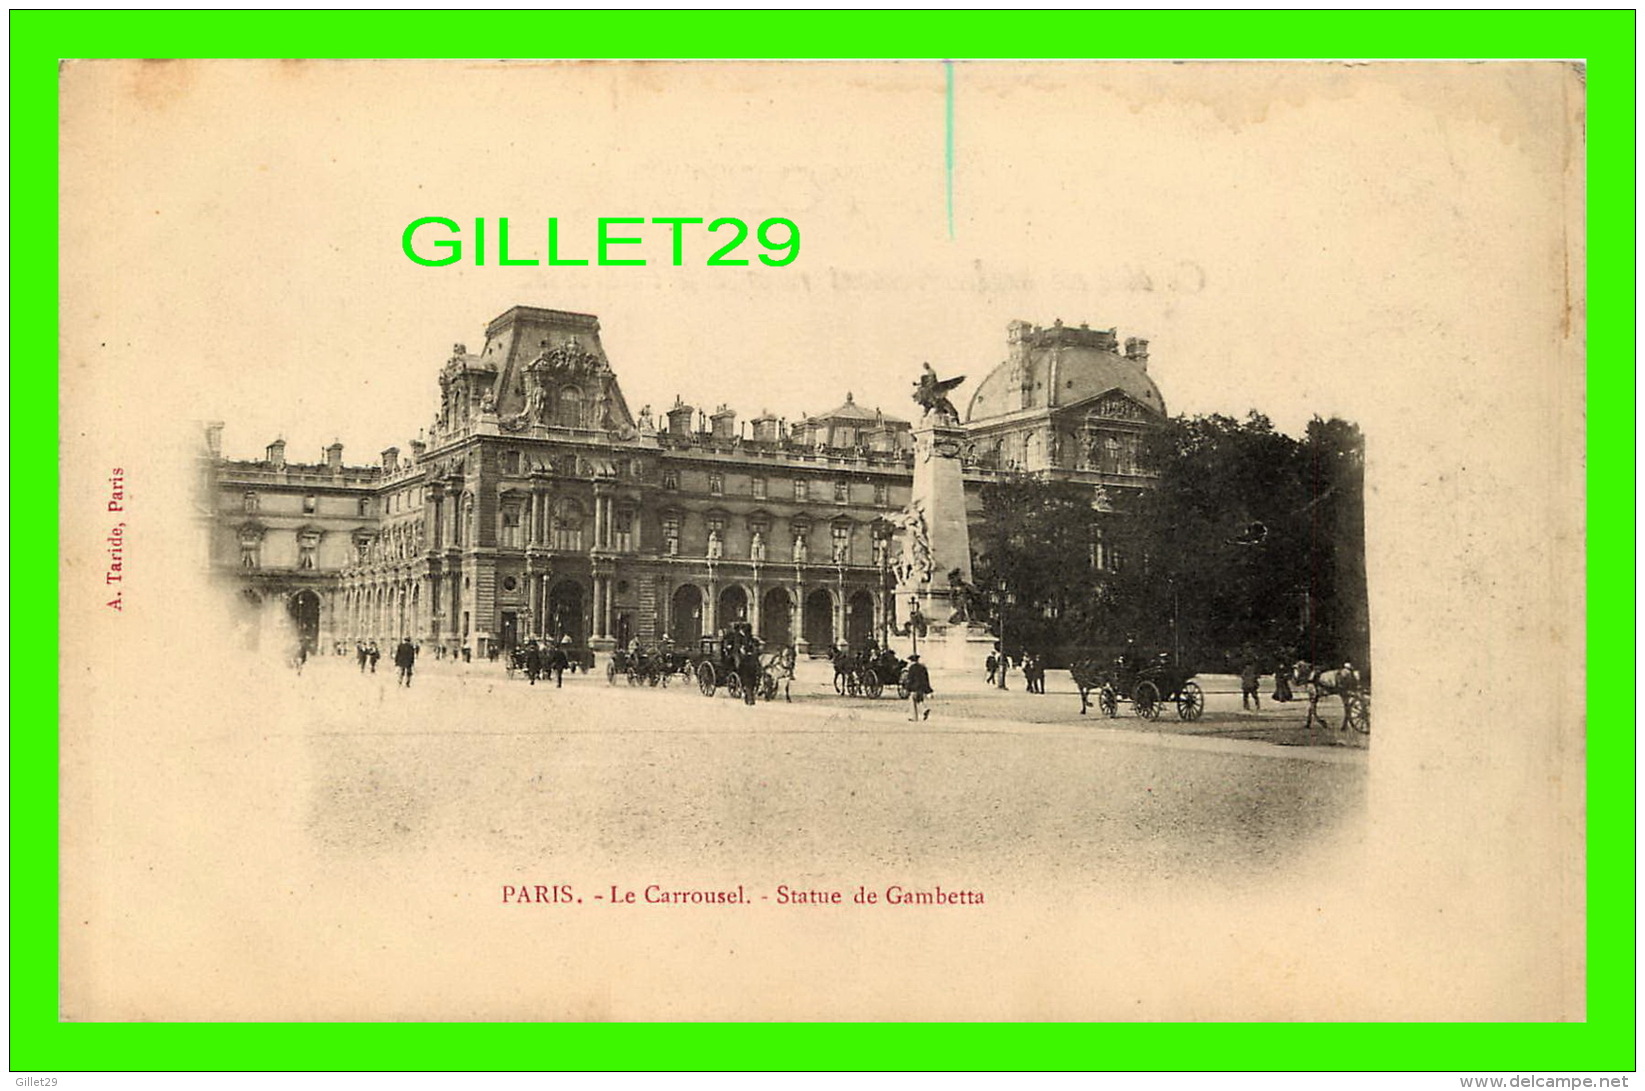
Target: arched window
568,524
570,409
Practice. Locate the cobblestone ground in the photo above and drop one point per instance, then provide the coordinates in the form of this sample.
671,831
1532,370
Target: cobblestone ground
993,782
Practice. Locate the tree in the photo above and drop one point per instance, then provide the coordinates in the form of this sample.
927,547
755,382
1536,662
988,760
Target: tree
1254,540
1033,563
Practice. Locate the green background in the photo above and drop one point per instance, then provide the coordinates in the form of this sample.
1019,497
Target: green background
1605,40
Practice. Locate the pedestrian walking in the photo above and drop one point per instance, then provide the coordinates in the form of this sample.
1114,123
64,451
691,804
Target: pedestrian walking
559,659
1250,684
360,654
918,684
373,653
405,657
533,662
1282,682
993,665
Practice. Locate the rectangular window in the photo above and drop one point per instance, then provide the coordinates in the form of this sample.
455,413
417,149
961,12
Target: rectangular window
799,490
511,528
511,462
671,535
842,492
309,504
716,484
758,486
882,494
624,523
671,479
842,545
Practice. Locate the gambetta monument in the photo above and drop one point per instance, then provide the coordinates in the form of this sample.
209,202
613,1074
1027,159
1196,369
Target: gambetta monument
934,570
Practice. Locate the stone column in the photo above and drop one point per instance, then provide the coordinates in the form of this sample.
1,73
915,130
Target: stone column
756,593
610,627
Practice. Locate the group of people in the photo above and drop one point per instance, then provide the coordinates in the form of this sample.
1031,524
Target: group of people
366,653
1032,665
1250,683
543,660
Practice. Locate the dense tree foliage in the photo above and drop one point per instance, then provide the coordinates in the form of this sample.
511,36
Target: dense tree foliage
1252,543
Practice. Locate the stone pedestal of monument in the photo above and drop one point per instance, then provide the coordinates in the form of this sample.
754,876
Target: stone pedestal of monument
939,553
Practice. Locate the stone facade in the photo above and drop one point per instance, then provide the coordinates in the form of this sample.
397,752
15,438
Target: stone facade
537,505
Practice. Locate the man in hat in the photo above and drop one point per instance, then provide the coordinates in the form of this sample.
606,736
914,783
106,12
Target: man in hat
918,684
405,658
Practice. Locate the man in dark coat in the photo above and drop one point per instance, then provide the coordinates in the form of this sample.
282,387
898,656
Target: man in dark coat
918,684
533,662
405,657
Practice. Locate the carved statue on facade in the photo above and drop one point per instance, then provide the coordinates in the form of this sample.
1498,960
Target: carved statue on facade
756,547
799,549
916,564
932,394
716,548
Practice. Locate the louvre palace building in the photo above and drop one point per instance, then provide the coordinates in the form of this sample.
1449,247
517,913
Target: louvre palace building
539,505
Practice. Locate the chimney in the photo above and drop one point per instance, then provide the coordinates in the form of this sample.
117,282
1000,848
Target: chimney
1136,350
417,449
765,429
214,438
391,460
276,454
679,418
725,424
334,457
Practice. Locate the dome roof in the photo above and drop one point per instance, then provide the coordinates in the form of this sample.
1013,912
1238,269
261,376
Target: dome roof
1062,366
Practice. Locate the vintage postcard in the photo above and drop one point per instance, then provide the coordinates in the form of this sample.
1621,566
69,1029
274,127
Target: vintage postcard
822,541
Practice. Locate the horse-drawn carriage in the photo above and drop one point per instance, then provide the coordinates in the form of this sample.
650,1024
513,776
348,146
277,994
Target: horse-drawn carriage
1353,686
645,666
733,663
1147,687
868,675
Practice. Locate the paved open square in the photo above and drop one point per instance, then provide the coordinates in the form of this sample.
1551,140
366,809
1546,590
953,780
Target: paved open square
992,783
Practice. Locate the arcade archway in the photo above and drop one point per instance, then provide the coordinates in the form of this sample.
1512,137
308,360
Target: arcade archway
685,616
777,618
565,613
819,620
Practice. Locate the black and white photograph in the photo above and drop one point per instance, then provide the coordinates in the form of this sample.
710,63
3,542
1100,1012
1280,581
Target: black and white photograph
822,541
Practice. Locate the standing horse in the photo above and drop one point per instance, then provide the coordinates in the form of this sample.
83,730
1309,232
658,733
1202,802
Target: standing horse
1088,675
1343,682
781,667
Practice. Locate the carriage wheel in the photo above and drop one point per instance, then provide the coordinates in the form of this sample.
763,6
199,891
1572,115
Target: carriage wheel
1146,700
734,684
1356,712
705,678
874,686
1190,702
610,673
1109,701
839,683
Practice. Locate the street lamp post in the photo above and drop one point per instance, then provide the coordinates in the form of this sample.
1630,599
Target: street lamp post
1002,602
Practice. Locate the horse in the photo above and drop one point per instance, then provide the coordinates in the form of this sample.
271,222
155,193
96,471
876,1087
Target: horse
1343,682
1088,675
781,667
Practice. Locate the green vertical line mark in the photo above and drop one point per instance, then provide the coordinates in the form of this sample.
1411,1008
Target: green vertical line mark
948,67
